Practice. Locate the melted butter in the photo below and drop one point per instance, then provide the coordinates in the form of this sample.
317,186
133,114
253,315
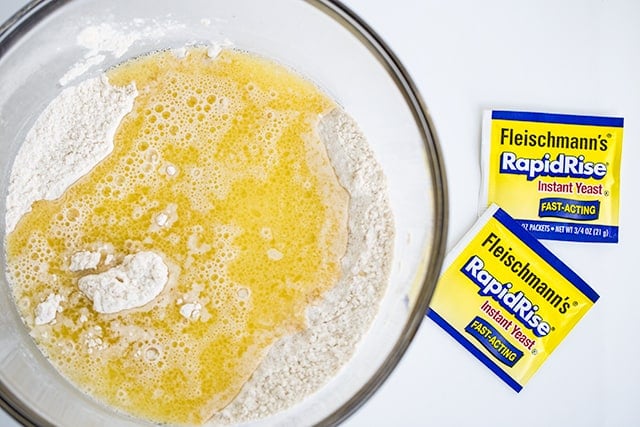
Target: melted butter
217,169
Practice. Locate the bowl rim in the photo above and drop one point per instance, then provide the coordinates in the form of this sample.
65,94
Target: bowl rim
36,10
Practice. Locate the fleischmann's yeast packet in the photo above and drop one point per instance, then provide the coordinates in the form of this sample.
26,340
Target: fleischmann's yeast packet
556,174
506,298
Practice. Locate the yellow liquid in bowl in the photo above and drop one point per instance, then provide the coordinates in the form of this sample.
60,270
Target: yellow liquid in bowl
219,170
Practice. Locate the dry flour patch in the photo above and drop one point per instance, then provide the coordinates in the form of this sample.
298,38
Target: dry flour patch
73,134
114,40
84,260
137,281
46,311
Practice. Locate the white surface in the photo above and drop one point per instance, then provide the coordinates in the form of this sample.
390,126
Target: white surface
575,56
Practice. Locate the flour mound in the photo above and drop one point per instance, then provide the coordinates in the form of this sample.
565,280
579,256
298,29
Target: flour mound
84,260
73,134
137,281
46,311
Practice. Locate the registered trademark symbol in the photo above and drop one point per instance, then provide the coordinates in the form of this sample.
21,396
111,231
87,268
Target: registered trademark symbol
606,192
575,303
608,135
553,328
534,351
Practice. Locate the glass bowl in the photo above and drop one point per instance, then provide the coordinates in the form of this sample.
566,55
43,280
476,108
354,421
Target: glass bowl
320,39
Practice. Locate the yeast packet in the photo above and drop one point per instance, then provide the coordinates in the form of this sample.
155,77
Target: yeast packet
557,174
506,298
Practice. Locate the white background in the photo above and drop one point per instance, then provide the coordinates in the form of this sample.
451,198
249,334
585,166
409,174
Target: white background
572,56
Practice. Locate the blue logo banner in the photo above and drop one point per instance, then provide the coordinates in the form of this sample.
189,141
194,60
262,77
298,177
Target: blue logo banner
493,341
558,207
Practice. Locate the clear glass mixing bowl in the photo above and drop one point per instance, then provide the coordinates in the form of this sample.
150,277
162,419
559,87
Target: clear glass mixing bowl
322,40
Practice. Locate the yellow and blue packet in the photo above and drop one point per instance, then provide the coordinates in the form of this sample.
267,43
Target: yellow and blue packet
558,175
507,299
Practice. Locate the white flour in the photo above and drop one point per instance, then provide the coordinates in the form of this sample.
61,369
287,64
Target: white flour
84,260
70,137
115,40
137,281
76,131
46,311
